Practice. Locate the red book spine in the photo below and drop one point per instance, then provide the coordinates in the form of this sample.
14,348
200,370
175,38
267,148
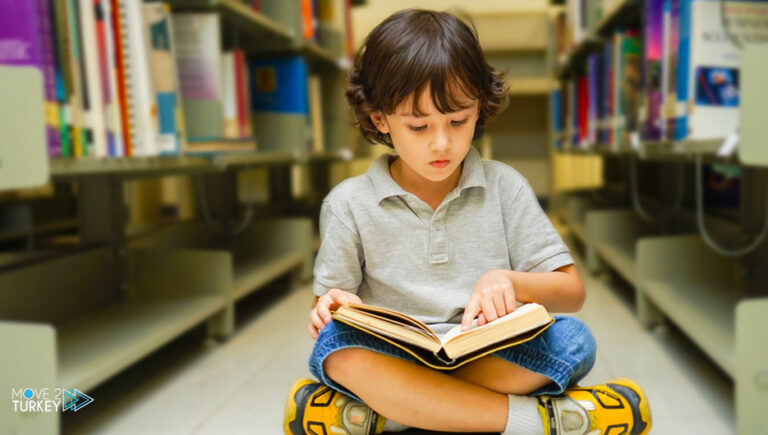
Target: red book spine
121,86
583,105
240,92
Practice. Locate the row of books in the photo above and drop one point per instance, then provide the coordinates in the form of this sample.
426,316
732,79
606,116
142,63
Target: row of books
327,22
126,78
677,78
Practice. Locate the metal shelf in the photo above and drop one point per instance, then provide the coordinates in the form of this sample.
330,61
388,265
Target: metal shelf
576,58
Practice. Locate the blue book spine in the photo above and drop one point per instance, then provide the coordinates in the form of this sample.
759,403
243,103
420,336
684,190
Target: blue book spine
683,68
607,95
279,85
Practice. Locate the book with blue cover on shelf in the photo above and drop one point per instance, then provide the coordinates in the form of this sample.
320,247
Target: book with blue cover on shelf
606,102
708,74
279,102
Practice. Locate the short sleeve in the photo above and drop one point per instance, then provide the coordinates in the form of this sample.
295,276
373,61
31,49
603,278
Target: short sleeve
339,260
534,244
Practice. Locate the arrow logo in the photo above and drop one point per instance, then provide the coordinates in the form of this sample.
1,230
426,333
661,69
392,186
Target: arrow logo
75,400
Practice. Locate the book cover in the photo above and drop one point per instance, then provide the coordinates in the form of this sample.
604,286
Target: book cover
198,59
709,85
229,95
606,136
582,108
122,68
94,110
26,40
111,94
674,65
593,69
158,34
64,90
453,349
243,112
652,62
279,102
631,83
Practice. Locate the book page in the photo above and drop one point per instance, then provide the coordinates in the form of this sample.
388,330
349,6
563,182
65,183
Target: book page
456,331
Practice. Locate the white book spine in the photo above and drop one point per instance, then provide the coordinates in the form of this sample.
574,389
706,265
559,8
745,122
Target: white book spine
142,94
95,113
114,108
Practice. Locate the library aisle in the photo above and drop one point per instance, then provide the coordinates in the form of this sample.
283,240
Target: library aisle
239,386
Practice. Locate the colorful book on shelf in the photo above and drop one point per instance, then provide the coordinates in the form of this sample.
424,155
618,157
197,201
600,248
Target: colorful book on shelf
627,84
94,109
582,109
60,30
593,90
279,102
453,349
26,39
82,133
316,113
650,116
198,58
169,135
112,101
708,76
606,135
229,96
671,67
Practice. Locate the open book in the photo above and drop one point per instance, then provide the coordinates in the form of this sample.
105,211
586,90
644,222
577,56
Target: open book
455,348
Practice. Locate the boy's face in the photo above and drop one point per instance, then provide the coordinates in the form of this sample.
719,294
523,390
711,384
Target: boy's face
432,145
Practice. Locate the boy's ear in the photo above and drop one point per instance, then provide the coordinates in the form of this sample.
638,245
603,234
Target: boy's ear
377,118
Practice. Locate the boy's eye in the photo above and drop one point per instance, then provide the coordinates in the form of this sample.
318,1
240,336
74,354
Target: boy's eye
417,127
459,123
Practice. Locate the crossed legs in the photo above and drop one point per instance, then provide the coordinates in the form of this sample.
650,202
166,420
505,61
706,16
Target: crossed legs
470,398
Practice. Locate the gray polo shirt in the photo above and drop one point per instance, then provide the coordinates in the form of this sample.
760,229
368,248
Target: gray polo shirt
394,251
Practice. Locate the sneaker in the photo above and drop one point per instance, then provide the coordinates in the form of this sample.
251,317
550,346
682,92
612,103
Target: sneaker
618,407
313,408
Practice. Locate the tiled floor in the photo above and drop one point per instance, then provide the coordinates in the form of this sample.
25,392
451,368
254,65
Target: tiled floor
239,386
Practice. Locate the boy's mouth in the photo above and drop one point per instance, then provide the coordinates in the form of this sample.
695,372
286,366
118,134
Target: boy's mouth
439,164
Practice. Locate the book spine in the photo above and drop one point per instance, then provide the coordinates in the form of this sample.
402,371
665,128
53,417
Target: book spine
63,76
118,24
680,42
104,75
654,21
95,107
48,66
242,113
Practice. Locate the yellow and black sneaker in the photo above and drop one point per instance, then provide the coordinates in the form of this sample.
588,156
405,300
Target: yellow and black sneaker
315,409
618,407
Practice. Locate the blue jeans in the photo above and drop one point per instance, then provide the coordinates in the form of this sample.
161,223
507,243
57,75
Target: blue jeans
564,352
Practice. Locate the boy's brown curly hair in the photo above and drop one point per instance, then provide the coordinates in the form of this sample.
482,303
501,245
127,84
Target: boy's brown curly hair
416,48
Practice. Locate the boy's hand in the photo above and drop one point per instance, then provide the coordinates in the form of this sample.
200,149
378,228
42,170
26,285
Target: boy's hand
492,297
321,312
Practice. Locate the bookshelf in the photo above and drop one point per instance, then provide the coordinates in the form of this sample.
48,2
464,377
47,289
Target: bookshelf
717,300
115,291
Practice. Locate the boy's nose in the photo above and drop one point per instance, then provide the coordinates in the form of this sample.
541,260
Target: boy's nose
441,141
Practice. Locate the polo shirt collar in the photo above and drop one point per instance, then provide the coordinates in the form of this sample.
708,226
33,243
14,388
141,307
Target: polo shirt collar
472,175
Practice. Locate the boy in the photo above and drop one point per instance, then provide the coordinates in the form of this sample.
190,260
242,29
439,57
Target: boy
440,234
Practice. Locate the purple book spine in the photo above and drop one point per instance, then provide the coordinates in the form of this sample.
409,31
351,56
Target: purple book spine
21,44
654,22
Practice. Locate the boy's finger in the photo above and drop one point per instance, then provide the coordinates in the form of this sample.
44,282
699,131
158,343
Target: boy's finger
509,300
312,330
489,309
324,313
481,320
498,303
469,314
316,320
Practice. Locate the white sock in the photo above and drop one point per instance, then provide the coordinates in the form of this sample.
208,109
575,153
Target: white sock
393,426
523,417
